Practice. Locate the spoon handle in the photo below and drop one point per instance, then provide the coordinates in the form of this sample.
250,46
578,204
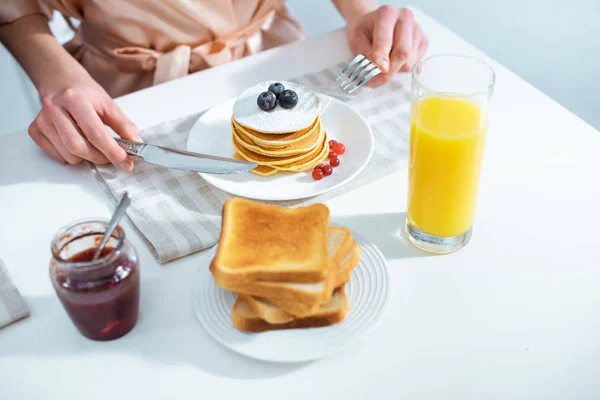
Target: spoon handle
114,221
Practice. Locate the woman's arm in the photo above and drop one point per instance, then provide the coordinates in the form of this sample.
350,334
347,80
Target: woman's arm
353,9
70,126
30,41
390,37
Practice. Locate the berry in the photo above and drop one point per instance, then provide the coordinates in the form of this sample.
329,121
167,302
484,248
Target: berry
339,148
332,154
276,88
266,101
320,166
318,174
288,99
334,162
327,170
332,143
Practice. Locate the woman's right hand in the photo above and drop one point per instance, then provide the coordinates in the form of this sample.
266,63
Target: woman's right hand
71,126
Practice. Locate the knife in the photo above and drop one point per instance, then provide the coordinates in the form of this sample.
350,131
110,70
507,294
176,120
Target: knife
185,160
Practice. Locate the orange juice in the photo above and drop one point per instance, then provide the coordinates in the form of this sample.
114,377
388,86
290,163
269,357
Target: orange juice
447,136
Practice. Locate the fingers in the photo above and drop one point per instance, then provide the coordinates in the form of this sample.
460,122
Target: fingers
403,41
360,43
409,45
38,138
112,115
415,53
71,138
48,130
423,46
70,127
383,37
94,130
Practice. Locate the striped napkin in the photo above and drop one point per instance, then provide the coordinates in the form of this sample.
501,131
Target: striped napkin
12,305
177,213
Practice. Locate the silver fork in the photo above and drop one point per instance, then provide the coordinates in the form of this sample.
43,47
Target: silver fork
360,70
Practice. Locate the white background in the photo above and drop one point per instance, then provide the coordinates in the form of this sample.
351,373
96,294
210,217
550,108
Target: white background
514,315
552,44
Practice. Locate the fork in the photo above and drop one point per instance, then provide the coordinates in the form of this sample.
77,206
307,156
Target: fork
360,69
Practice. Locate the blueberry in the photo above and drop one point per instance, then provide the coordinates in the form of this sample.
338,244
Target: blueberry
288,99
276,88
266,101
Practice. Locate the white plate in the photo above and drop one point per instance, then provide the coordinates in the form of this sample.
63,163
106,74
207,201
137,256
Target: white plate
211,134
369,294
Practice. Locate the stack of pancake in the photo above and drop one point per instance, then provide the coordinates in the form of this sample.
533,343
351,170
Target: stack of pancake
281,139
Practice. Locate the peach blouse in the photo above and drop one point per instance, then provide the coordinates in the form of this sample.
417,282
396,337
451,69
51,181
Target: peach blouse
127,45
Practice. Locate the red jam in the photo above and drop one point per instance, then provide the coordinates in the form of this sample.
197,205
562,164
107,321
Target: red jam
101,297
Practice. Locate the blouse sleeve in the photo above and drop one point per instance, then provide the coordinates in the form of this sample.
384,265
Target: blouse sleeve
12,10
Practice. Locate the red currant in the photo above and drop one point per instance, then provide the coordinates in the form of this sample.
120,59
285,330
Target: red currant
320,166
332,143
334,162
339,148
327,170
331,154
318,174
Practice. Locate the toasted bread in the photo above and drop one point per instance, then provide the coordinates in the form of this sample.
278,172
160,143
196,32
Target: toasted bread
270,312
261,242
333,312
303,298
339,243
348,265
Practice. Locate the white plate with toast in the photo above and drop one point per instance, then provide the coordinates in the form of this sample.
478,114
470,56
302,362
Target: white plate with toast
368,294
212,134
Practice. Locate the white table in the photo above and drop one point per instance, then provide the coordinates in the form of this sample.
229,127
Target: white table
513,315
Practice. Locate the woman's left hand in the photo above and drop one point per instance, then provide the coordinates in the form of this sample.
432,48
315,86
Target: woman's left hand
389,37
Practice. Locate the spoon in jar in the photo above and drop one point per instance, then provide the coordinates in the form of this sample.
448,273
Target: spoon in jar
114,221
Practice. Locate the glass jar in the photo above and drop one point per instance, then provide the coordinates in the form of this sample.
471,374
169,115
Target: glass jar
102,296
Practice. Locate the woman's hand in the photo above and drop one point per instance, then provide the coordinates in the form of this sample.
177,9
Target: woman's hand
389,37
70,126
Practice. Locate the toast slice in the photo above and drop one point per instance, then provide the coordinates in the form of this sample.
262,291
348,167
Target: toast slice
270,312
333,312
339,244
262,242
348,264
304,298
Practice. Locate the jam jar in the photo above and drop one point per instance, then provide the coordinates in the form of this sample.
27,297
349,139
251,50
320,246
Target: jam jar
101,297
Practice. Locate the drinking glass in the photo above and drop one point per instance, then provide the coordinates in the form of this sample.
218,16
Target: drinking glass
449,120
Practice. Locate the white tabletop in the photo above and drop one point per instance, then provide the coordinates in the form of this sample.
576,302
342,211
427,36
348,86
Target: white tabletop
513,315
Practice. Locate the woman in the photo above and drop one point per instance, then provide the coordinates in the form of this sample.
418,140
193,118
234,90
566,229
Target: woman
122,46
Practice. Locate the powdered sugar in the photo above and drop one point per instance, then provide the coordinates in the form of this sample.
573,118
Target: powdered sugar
279,120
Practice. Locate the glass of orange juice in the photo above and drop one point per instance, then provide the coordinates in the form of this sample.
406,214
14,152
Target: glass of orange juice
449,119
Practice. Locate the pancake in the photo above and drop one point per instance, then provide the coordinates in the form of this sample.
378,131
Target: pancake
275,141
261,170
297,166
309,164
281,139
282,161
278,120
301,147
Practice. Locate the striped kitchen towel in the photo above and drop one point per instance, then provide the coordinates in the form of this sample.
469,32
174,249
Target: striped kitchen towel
177,213
12,306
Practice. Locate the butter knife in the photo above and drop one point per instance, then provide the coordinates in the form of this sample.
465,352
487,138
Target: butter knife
185,160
